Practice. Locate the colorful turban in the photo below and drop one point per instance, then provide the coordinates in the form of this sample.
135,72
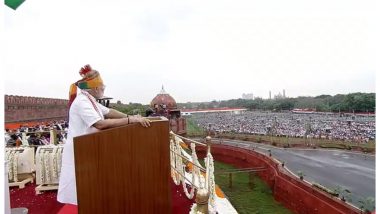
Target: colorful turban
92,81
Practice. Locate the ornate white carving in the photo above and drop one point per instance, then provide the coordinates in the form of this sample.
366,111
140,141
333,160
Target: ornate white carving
197,179
14,166
47,166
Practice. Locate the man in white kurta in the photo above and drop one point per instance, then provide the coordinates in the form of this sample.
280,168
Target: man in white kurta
87,116
82,116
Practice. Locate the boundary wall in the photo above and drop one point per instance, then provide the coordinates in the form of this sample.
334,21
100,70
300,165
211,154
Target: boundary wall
19,109
295,194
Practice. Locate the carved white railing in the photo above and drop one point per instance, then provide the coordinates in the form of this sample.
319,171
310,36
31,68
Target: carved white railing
204,183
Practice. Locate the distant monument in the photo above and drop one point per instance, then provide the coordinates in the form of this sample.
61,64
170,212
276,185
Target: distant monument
164,105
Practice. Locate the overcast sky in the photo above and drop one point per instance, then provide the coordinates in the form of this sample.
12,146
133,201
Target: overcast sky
199,50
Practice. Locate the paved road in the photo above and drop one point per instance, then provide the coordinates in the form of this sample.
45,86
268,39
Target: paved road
331,168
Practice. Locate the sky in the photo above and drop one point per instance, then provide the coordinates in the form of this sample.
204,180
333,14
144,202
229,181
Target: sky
198,50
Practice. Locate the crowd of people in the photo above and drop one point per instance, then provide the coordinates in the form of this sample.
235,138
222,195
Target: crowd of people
332,126
36,135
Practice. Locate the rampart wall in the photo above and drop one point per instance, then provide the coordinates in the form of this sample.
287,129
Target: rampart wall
20,109
293,193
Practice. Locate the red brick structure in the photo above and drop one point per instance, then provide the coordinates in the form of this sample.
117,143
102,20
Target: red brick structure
164,98
165,105
20,109
297,195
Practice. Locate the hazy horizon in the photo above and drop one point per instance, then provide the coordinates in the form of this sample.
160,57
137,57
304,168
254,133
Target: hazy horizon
114,100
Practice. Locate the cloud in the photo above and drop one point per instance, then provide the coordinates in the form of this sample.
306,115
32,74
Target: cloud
200,50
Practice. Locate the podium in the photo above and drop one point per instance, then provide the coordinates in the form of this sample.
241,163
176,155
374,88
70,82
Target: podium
124,169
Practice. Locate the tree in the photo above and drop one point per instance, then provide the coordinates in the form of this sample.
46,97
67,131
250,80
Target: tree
344,194
300,174
322,107
358,102
132,108
367,204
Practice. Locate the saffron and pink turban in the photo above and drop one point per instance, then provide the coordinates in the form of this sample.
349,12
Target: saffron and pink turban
90,82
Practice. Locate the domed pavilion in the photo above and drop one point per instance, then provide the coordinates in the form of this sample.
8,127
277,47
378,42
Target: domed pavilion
164,105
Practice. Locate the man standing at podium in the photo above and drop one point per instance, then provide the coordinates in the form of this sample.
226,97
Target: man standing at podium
87,116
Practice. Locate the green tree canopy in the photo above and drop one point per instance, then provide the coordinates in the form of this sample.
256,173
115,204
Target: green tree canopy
357,102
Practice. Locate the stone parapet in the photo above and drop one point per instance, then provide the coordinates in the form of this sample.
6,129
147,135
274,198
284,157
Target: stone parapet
24,109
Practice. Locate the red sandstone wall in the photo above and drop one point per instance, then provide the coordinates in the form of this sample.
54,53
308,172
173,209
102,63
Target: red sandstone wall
178,125
293,193
23,109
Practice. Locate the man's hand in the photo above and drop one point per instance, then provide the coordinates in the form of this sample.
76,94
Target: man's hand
143,121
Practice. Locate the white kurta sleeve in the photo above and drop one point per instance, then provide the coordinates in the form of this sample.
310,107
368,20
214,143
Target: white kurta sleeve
103,109
88,113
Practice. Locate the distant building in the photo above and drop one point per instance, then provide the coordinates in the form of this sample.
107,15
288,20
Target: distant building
279,95
164,105
189,112
105,101
248,96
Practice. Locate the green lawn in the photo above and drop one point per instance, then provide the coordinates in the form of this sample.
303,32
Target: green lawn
192,128
245,197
